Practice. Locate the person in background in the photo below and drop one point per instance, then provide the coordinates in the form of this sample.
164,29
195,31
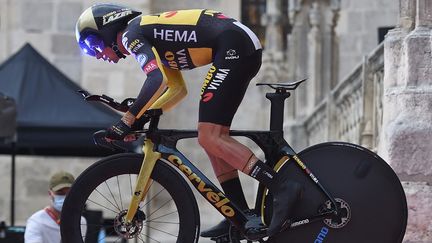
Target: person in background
44,225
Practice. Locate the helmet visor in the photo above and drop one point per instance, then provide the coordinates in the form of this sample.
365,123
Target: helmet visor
92,45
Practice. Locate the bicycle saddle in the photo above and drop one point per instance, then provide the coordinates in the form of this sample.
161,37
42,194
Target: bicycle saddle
285,86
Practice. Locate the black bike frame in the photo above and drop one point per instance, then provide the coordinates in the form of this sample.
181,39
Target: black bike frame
272,143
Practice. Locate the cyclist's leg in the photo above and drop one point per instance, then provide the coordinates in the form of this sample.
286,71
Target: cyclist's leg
222,93
229,180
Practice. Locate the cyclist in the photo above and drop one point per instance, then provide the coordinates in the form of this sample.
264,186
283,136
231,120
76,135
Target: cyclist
166,43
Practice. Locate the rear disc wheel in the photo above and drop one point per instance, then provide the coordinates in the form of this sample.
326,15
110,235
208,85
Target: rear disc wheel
370,195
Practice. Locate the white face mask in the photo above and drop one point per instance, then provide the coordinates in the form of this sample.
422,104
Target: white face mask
58,202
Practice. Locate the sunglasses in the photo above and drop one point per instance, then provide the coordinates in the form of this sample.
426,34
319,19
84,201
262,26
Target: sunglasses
92,45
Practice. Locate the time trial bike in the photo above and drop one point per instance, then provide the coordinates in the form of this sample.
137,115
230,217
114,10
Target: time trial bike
350,193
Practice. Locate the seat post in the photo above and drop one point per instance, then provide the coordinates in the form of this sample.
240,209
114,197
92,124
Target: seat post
277,100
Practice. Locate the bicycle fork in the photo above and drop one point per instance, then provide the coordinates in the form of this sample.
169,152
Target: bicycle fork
143,181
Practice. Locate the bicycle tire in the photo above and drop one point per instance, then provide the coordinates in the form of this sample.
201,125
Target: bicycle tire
119,166
376,199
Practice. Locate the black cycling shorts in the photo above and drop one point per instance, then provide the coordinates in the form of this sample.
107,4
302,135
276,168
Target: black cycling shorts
224,87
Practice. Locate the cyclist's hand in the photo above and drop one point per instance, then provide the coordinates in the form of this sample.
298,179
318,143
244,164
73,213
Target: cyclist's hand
130,138
117,131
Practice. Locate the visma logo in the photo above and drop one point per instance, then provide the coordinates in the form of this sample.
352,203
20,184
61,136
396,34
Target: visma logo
322,235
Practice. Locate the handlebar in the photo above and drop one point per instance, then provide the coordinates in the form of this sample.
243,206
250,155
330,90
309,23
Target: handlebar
151,116
122,107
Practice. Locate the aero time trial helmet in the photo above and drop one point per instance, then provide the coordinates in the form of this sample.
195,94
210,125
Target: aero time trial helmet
97,27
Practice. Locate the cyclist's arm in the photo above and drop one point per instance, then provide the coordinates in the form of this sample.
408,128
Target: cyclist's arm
174,94
150,63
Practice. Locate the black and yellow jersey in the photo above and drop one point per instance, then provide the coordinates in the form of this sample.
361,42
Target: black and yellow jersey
180,40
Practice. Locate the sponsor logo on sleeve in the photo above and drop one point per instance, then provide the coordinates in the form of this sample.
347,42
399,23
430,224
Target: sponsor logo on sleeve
150,66
142,59
137,47
133,44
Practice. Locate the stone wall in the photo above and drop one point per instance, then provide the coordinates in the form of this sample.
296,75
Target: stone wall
407,112
49,26
327,41
357,29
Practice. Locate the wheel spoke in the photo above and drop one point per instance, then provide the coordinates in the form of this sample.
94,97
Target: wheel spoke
140,239
148,237
118,186
112,195
169,200
154,196
105,199
130,183
161,231
161,216
162,222
102,206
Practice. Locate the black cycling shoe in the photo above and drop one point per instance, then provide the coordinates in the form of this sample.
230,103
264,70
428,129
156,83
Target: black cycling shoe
254,228
286,194
222,228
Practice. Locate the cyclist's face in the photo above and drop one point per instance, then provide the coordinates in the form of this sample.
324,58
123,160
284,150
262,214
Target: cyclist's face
93,45
107,54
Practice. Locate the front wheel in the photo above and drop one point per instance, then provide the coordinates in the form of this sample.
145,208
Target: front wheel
169,212
371,199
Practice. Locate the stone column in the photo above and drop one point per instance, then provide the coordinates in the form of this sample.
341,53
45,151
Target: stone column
315,56
407,112
274,55
330,46
297,54
296,66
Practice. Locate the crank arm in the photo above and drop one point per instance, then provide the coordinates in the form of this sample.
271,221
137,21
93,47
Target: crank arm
312,219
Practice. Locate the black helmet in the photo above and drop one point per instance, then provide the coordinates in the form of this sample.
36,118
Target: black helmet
99,24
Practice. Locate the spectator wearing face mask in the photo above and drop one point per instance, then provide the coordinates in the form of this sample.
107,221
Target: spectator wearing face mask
44,225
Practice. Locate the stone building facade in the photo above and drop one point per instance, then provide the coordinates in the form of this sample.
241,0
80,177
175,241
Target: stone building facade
361,92
376,95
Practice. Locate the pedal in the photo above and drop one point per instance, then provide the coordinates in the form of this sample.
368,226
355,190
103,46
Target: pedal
254,234
255,229
221,239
